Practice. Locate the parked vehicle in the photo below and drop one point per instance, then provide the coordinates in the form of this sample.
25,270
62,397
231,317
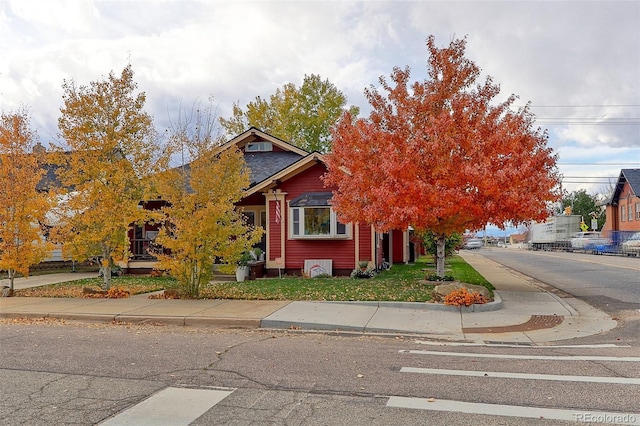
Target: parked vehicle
473,243
593,242
631,247
555,233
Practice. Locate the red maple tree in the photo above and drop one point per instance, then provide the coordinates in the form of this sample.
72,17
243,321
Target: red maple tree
441,155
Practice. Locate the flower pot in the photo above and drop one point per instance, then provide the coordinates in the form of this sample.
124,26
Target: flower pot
241,273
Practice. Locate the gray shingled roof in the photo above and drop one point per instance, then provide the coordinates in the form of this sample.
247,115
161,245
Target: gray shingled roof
266,164
49,178
631,176
310,199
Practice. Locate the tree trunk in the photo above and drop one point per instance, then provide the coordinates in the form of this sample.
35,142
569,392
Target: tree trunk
440,250
105,266
12,276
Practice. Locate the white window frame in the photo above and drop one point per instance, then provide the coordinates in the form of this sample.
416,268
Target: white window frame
259,215
637,211
263,146
296,226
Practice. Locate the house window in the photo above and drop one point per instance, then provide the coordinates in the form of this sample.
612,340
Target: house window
259,147
317,222
637,211
623,213
313,217
630,212
250,217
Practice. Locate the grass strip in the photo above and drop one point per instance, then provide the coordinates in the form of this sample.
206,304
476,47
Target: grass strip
401,283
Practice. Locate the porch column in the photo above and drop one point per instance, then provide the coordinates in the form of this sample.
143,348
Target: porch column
273,229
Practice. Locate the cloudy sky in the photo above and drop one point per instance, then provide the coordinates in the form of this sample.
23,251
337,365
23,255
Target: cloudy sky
577,62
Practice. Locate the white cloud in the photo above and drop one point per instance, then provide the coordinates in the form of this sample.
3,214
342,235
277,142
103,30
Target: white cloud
562,54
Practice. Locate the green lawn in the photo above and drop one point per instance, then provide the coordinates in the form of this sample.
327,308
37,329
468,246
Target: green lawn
404,283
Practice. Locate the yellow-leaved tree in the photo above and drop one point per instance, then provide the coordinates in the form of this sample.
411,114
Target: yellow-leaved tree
106,165
201,222
22,205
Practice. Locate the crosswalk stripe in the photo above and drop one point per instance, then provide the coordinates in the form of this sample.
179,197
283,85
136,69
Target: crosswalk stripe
170,407
503,375
530,357
584,416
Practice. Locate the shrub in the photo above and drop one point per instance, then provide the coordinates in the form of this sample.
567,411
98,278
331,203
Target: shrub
462,297
367,273
117,293
435,277
322,276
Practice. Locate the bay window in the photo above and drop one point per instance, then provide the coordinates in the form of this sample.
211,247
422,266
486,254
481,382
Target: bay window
312,217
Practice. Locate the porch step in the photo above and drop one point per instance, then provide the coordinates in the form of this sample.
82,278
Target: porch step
223,277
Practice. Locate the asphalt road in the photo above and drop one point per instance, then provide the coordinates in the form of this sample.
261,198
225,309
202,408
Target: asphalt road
608,282
57,373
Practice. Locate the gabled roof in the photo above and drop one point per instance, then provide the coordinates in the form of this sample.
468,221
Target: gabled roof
263,165
284,174
630,176
254,134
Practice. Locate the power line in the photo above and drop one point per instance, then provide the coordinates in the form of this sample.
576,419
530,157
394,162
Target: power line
586,123
598,164
583,106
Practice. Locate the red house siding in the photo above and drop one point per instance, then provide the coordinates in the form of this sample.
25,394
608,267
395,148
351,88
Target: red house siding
626,210
252,200
618,217
341,251
365,243
307,181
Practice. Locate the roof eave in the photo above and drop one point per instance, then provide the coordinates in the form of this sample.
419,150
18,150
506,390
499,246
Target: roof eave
274,180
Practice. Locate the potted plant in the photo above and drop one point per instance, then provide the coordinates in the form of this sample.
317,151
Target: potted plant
258,254
363,265
242,268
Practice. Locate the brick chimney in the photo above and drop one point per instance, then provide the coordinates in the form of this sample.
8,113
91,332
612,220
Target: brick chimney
39,149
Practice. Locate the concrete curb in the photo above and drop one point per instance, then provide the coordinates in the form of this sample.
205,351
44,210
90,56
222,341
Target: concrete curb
140,319
566,305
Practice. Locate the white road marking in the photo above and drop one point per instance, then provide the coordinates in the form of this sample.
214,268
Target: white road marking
584,416
170,407
531,357
501,345
503,375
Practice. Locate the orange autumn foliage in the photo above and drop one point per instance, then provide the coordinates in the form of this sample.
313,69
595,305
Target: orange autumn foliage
462,297
23,205
441,154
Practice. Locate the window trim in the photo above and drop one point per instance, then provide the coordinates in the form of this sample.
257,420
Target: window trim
260,146
298,212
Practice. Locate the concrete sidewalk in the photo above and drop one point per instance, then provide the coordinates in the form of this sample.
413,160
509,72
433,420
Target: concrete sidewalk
522,313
